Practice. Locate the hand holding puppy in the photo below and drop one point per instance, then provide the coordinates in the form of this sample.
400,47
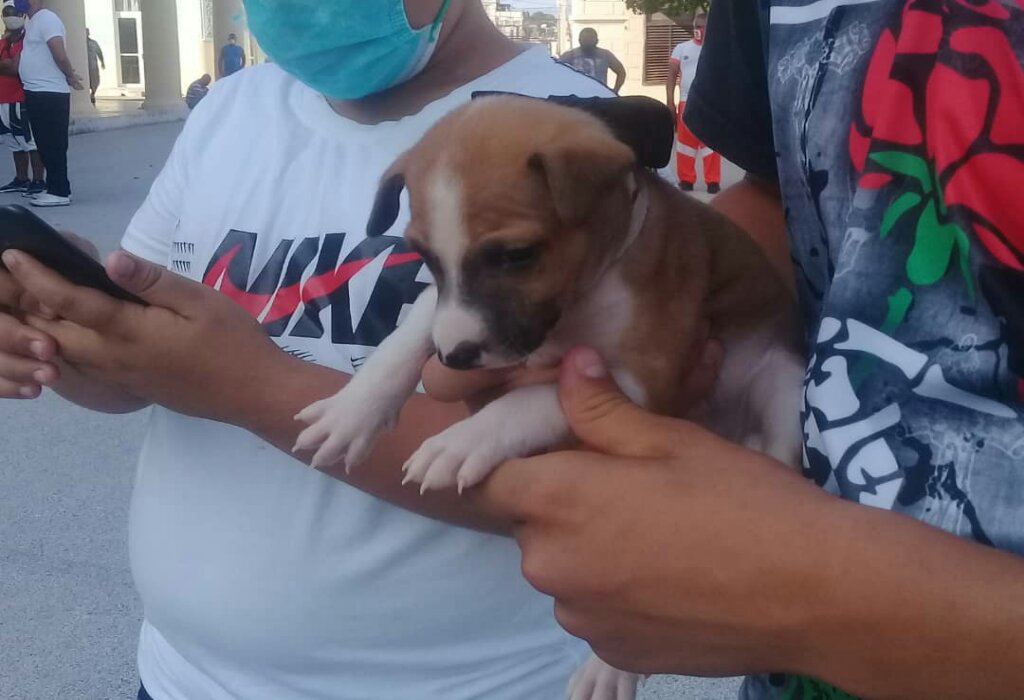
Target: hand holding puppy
656,550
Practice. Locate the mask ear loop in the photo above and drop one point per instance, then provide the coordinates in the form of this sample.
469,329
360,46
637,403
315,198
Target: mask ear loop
435,30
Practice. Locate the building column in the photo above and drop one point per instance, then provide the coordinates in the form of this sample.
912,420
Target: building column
228,18
72,14
161,58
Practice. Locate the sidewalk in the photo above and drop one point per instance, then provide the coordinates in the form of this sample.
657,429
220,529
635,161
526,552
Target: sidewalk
119,112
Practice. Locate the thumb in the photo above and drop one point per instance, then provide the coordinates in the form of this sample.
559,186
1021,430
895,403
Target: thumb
152,283
605,419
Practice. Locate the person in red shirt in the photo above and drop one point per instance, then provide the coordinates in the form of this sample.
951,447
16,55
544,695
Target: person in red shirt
14,126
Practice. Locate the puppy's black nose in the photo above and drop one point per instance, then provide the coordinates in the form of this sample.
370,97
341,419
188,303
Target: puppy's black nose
465,356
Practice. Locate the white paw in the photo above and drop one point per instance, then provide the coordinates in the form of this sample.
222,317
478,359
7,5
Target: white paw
344,427
596,680
462,456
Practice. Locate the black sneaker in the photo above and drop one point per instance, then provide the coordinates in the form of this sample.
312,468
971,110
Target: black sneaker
714,188
686,186
36,187
15,185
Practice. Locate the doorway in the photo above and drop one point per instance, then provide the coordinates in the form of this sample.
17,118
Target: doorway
128,16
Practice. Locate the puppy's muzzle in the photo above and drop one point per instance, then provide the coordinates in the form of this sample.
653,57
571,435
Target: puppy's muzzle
465,356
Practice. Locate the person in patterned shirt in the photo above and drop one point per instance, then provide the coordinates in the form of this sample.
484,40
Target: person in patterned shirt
885,150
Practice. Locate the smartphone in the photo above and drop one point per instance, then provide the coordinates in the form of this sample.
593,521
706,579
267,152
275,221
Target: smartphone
22,230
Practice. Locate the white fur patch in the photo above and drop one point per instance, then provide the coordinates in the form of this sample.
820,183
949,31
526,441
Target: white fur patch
522,422
454,322
343,428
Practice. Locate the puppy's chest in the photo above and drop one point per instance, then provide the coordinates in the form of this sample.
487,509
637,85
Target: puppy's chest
602,320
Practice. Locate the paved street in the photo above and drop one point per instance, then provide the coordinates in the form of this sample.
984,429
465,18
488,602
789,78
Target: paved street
68,612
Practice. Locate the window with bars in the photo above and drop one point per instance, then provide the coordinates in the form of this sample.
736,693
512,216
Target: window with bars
662,34
127,6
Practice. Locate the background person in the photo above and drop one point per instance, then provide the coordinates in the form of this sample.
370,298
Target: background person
682,69
232,58
14,125
48,76
95,61
198,90
590,60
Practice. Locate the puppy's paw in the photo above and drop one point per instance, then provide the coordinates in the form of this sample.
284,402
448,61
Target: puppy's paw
462,456
344,427
596,680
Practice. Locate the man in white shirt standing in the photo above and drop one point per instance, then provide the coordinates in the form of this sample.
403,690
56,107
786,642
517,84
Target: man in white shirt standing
682,69
48,76
261,578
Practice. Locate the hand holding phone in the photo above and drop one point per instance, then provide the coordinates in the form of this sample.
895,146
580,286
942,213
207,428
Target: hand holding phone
22,230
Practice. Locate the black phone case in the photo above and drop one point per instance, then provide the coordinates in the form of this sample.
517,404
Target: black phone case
22,230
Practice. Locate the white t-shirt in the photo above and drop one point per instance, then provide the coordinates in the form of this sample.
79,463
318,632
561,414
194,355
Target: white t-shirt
687,55
261,578
38,70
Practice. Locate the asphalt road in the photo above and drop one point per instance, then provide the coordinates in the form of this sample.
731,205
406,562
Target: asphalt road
69,615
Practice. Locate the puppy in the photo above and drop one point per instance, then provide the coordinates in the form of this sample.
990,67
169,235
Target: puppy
543,232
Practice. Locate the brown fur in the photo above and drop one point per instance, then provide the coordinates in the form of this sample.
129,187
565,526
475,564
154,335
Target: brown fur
533,172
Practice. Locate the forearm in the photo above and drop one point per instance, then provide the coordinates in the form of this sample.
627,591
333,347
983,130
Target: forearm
756,207
909,611
64,63
73,386
269,412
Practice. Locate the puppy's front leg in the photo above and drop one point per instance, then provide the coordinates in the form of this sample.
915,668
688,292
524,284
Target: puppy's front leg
520,423
345,426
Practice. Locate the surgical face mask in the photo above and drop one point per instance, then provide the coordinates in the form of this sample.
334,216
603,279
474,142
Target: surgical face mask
345,49
14,23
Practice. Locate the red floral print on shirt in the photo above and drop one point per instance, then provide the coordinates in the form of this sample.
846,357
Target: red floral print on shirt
941,126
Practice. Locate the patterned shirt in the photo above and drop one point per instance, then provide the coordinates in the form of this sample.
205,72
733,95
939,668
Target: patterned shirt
894,129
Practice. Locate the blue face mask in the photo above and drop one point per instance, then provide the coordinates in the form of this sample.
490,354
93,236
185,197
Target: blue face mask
345,49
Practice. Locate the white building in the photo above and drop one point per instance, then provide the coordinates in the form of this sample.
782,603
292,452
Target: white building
153,48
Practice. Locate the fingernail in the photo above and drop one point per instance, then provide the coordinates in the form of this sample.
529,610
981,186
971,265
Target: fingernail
124,265
38,348
588,363
40,376
28,392
10,258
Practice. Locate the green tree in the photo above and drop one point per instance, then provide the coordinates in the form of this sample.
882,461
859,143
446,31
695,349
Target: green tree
672,8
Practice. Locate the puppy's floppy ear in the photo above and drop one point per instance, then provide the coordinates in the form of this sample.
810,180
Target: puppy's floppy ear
580,172
387,203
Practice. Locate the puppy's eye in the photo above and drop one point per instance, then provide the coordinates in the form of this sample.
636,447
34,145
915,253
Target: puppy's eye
512,259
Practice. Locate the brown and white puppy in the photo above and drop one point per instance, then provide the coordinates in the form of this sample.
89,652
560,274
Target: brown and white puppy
542,233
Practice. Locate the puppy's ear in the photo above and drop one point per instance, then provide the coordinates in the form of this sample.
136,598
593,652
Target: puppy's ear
581,172
386,205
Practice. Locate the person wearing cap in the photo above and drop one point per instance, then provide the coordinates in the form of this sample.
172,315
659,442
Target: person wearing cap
14,126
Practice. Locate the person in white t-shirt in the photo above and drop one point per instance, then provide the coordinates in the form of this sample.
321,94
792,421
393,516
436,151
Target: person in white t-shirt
261,578
48,77
682,69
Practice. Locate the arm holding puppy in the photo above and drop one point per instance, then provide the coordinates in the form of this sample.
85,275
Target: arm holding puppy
673,551
195,351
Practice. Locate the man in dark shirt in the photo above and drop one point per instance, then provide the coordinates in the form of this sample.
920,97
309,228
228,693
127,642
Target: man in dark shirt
593,61
232,58
885,151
